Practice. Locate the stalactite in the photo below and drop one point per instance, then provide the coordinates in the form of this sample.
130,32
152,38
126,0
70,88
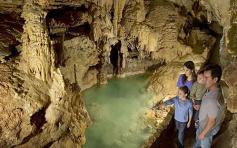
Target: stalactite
118,12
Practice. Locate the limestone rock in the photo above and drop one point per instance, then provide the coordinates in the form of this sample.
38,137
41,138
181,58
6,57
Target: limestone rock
11,28
227,137
232,34
158,120
36,55
69,45
40,105
163,81
230,78
216,9
79,53
15,119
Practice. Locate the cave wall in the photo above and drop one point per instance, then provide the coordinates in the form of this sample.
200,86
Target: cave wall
221,18
63,47
229,57
39,109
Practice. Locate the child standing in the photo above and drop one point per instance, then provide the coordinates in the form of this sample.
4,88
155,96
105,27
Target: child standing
197,92
183,112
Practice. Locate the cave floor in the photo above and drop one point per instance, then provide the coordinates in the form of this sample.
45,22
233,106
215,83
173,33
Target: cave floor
168,137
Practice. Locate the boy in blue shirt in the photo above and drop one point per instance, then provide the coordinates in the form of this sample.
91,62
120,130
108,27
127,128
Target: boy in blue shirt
183,112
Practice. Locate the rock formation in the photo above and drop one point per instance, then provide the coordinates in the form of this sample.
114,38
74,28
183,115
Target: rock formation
51,50
214,12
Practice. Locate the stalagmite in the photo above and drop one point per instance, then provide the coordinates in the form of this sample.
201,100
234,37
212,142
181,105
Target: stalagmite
37,57
52,50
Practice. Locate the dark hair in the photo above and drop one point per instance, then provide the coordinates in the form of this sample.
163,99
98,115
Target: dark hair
216,71
190,65
185,90
200,71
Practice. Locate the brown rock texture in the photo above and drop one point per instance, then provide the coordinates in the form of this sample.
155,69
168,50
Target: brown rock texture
224,14
52,50
230,79
15,121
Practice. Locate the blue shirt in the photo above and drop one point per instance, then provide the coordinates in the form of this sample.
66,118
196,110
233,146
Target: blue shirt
180,83
182,108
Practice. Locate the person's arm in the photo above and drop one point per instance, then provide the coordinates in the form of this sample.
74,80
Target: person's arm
190,113
212,114
196,107
210,124
193,91
170,101
180,81
193,95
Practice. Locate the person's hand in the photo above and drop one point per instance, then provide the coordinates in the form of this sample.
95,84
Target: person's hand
162,106
196,107
201,136
188,125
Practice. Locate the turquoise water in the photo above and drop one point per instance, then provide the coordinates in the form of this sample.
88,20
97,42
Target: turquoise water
117,112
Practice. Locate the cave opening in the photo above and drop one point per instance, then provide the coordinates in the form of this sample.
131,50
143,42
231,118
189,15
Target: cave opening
111,15
14,51
63,13
38,119
116,58
83,29
133,52
57,46
69,20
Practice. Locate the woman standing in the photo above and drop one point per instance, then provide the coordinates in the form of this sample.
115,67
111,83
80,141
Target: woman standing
189,76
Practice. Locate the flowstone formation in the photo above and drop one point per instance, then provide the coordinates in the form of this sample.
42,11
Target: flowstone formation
51,50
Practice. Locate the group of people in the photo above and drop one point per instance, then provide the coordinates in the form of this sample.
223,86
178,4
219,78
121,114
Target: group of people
198,99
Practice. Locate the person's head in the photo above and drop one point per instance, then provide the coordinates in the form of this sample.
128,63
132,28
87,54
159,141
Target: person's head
189,71
183,92
200,76
212,74
189,68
